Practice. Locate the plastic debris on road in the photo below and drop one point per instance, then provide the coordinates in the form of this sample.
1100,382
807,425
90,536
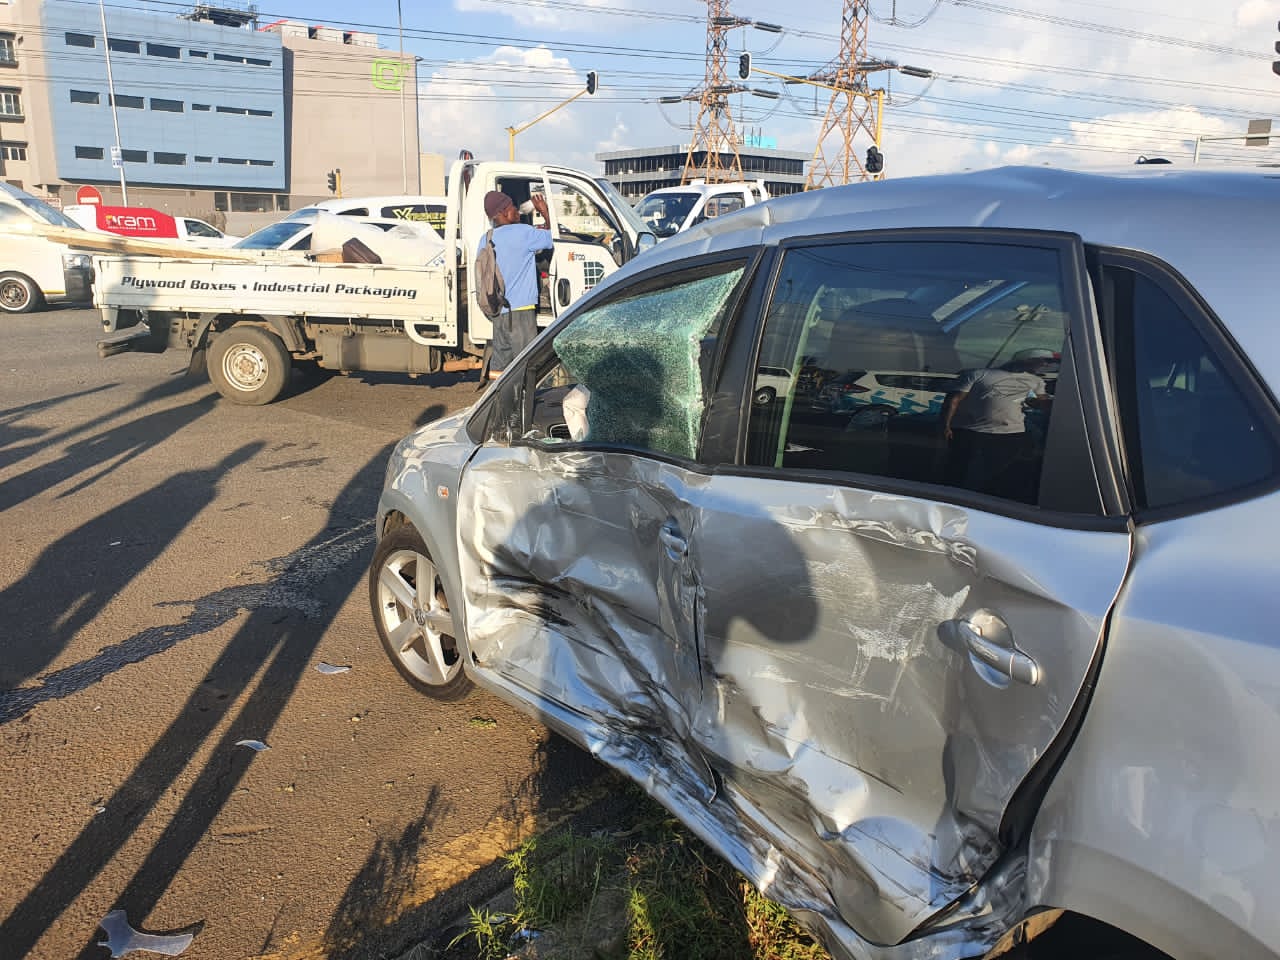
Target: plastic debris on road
256,745
123,940
330,668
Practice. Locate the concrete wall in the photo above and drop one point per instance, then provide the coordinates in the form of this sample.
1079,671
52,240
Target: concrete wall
208,99
347,101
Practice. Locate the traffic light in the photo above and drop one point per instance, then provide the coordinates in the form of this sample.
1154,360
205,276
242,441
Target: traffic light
333,181
592,81
744,66
875,160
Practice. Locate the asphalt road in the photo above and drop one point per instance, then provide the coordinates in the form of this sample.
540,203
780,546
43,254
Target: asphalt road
173,569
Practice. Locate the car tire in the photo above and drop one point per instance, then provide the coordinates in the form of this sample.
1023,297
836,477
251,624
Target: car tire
248,365
765,396
412,616
19,294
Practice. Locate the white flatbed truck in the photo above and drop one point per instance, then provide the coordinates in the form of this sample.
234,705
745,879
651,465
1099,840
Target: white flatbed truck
248,320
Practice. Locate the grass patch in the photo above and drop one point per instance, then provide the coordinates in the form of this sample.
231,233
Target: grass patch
653,892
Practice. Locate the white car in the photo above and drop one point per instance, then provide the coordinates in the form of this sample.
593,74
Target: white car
771,383
421,209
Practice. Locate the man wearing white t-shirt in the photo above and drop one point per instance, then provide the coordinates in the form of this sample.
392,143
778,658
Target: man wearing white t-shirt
984,420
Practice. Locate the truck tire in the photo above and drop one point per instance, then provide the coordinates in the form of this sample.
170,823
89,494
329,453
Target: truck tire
18,294
248,365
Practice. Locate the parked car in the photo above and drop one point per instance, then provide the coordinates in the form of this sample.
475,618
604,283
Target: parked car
928,702
772,383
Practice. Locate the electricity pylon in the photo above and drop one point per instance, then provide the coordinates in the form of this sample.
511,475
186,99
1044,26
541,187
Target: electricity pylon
853,108
714,135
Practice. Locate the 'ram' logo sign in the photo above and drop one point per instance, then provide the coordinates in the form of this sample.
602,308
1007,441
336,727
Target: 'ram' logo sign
141,224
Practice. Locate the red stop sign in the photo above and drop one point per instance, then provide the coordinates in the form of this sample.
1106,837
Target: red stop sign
88,195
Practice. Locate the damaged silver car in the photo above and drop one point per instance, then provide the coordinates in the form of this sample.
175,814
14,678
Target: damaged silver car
936,667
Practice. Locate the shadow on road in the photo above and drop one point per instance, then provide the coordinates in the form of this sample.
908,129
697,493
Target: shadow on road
110,449
287,618
11,434
77,576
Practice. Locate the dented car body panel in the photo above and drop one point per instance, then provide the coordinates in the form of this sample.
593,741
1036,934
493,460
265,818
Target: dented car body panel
857,685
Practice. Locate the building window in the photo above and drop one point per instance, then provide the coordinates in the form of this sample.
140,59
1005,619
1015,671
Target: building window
171,159
8,54
200,106
240,110
116,45
256,62
163,50
200,159
262,163
234,161
251,202
88,153
260,113
133,156
85,96
10,103
168,106
220,202
133,103
227,58
202,54
13,151
81,40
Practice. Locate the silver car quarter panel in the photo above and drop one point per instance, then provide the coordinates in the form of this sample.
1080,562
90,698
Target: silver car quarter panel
1165,818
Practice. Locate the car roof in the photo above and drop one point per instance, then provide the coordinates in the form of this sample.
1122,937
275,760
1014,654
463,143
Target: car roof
1215,227
342,203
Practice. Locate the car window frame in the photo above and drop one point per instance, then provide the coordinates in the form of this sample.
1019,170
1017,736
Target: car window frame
479,426
1085,403
1232,361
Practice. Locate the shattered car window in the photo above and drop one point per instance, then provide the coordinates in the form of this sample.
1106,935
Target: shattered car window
642,362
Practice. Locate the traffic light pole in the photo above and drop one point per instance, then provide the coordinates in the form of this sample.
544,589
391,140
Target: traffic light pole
512,131
877,97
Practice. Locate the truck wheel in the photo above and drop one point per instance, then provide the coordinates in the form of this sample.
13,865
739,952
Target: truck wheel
18,294
248,365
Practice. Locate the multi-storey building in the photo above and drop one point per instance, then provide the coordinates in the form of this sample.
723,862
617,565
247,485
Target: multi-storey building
638,172
215,112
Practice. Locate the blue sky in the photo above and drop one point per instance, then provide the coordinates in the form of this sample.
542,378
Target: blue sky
1083,83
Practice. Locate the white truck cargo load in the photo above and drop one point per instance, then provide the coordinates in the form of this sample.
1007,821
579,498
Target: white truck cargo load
248,323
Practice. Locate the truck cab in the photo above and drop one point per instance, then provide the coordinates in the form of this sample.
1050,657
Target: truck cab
35,270
671,209
595,231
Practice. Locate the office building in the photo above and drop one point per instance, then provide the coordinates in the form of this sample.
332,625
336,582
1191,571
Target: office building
216,112
640,171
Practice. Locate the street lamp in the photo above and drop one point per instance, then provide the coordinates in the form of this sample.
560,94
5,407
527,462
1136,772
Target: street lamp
118,159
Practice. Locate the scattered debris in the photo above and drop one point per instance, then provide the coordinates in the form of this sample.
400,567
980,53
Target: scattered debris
256,745
123,940
116,543
331,668
484,723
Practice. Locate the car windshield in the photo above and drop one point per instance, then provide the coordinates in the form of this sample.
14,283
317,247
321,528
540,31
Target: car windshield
272,237
39,209
666,212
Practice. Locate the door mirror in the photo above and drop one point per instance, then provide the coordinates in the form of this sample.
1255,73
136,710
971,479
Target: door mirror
645,241
563,293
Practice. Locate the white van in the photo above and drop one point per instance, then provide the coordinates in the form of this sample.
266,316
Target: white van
421,209
33,270
672,209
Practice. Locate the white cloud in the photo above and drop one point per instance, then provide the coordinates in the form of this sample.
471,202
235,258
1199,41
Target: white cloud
531,13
